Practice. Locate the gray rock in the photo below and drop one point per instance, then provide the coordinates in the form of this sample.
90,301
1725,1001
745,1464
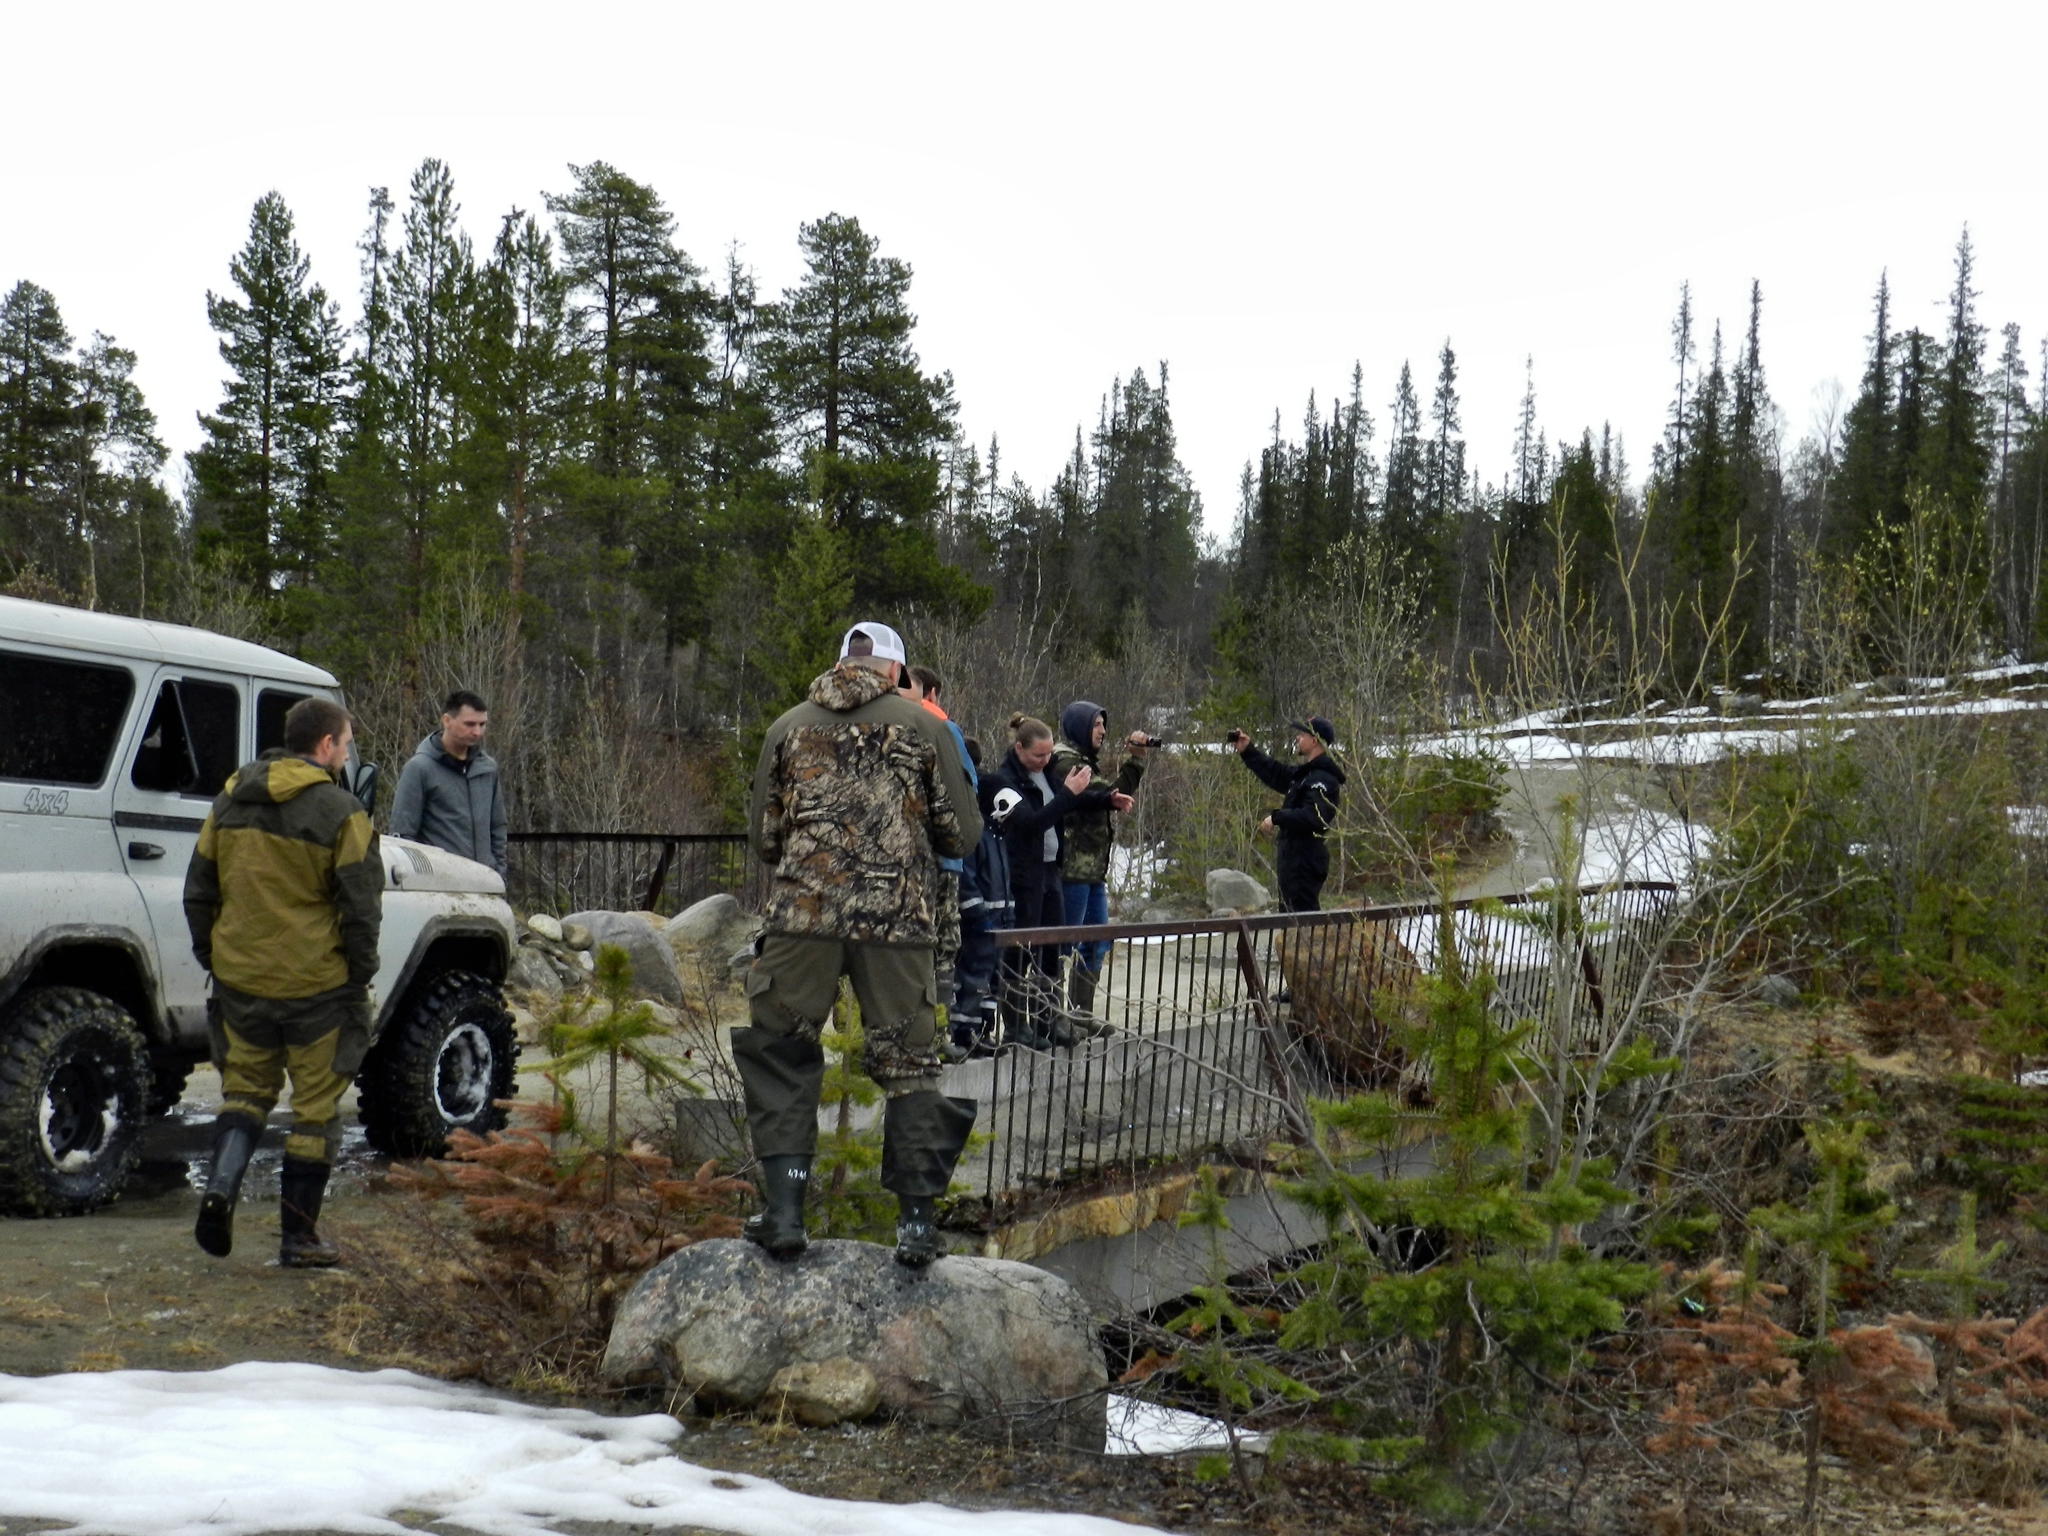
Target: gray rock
544,925
654,963
532,971
710,1130
715,926
964,1339
575,934
1777,991
742,959
1162,915
825,1391
1237,891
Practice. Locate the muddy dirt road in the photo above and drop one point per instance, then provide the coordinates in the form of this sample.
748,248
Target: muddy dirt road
127,1286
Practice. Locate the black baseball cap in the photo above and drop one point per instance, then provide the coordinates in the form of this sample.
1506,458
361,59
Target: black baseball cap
1318,727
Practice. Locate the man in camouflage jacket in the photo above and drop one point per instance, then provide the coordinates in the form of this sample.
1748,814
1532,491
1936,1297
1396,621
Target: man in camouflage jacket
857,794
1086,837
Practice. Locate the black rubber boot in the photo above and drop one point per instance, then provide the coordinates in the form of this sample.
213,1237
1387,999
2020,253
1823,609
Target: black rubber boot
923,1135
917,1230
779,1225
234,1142
301,1190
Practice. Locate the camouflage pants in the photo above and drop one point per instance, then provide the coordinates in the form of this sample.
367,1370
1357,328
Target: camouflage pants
946,920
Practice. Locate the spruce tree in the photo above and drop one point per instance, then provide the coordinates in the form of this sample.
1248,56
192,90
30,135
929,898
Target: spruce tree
1955,460
1869,433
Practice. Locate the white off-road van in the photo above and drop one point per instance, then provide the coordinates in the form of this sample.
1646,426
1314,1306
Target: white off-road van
115,735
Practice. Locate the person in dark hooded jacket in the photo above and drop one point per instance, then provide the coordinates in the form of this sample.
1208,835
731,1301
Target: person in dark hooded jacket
1086,838
1307,811
1031,837
985,906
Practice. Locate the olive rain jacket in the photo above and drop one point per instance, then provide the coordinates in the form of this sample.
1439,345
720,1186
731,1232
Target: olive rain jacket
1087,834
285,892
857,795
461,811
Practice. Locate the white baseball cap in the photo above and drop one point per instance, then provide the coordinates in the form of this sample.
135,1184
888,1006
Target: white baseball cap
877,640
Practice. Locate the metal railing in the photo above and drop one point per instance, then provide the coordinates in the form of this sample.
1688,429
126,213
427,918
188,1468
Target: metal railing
1217,1029
561,872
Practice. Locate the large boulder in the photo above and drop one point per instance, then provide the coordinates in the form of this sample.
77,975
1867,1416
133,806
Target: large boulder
713,929
1355,988
1232,890
654,963
532,972
965,1339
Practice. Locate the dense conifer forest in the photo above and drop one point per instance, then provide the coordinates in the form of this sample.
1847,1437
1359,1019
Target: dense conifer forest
559,458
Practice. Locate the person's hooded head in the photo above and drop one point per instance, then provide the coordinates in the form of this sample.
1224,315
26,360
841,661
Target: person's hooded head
1078,721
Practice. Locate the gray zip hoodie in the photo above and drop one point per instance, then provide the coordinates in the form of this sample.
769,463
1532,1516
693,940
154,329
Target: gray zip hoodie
440,804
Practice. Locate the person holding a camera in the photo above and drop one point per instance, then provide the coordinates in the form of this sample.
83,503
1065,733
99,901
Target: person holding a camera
1308,808
1085,840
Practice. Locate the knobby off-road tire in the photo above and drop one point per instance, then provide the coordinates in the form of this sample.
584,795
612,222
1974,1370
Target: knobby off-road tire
74,1093
441,1065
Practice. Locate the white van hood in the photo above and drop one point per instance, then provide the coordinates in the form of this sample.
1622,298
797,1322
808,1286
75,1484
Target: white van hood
411,866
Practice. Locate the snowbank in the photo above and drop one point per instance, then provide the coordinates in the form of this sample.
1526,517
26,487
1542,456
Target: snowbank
276,1447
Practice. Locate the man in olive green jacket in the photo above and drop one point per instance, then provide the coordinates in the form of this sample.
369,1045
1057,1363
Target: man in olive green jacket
284,898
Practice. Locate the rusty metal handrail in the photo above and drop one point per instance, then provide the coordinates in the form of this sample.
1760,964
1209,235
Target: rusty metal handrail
1072,933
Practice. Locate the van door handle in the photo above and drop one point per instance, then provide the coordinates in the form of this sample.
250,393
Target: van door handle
145,850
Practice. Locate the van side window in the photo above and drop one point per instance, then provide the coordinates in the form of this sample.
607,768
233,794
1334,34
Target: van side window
193,740
272,705
63,718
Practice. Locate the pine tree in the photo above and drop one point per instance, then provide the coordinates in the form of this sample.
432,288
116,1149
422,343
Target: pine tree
119,514
836,353
37,389
264,474
433,354
527,383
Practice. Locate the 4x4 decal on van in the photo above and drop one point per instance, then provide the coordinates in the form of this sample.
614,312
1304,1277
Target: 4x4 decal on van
46,802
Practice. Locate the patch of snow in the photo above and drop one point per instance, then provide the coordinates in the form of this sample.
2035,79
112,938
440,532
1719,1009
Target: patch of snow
262,1447
1139,1428
2027,820
1133,872
2034,1079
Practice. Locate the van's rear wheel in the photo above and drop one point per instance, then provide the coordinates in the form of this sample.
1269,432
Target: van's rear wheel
74,1092
441,1066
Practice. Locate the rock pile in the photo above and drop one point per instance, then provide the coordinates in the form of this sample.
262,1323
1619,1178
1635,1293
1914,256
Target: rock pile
966,1339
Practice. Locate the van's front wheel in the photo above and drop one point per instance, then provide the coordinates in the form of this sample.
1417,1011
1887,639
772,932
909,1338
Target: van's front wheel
441,1066
74,1092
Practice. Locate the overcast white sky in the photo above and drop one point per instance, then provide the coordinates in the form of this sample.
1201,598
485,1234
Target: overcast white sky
1258,194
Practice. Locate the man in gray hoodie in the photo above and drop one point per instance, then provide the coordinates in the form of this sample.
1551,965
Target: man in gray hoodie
449,794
